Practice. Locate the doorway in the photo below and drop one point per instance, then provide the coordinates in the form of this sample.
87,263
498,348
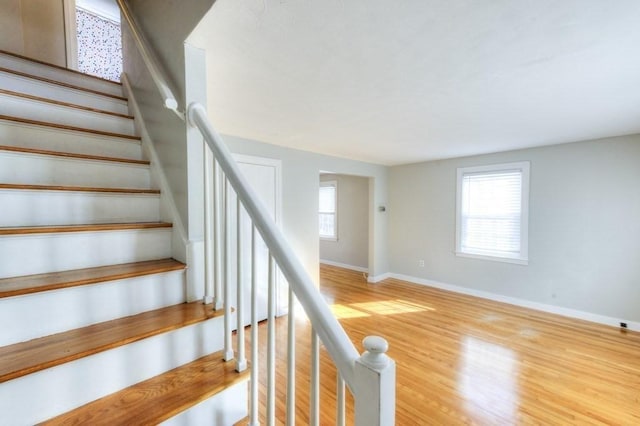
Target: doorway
344,221
264,176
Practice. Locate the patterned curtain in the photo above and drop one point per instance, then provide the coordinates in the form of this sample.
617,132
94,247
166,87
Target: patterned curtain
99,45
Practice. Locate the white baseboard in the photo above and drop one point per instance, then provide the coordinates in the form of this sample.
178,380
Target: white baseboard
344,265
378,278
558,310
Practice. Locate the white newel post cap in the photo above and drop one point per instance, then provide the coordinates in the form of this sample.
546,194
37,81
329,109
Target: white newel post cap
375,385
375,354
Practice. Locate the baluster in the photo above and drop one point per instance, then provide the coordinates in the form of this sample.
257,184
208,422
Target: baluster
208,206
314,396
217,237
271,346
340,401
253,402
228,345
291,362
241,361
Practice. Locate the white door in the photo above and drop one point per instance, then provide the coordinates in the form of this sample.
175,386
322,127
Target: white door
263,175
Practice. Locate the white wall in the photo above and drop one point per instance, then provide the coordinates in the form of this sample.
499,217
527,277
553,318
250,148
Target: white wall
300,171
584,227
352,246
166,25
105,8
178,147
33,28
11,38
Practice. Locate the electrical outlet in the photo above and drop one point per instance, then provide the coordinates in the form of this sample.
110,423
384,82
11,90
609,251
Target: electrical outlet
623,325
421,263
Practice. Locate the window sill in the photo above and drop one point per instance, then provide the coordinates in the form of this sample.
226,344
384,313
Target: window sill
329,238
517,261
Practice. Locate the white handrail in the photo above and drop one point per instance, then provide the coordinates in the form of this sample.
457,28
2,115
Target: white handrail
370,377
332,335
168,99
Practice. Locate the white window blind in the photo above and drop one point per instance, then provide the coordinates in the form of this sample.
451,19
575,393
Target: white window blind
492,212
328,210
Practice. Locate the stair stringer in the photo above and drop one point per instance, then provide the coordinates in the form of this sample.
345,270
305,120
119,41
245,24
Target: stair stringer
183,249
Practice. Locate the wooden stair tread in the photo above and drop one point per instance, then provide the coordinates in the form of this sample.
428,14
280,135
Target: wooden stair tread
159,398
65,127
57,280
71,155
24,358
78,188
65,104
19,230
60,83
59,67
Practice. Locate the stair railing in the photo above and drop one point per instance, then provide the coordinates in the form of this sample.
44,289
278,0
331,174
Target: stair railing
370,377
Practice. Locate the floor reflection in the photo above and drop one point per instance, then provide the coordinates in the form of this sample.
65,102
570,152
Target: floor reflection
390,307
344,311
487,381
383,307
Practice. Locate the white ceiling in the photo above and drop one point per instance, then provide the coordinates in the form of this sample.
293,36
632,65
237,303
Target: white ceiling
394,82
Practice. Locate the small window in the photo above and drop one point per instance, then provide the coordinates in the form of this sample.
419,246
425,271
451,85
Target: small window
99,40
328,213
492,212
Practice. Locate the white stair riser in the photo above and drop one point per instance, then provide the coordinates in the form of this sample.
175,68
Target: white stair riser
58,114
40,208
41,253
57,74
42,395
223,409
52,139
30,169
40,314
43,89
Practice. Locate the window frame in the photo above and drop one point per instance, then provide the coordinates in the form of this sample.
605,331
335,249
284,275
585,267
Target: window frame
524,168
334,237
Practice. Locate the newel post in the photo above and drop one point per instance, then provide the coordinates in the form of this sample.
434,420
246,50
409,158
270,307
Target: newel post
375,377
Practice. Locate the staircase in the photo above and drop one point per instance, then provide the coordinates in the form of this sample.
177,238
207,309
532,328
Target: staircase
95,324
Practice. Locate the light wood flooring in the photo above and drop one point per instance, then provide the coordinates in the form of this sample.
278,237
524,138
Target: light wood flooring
464,360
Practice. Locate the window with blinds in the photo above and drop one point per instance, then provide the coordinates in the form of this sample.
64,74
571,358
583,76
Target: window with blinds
328,212
492,212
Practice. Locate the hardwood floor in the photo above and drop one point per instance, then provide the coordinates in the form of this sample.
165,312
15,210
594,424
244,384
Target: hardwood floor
464,360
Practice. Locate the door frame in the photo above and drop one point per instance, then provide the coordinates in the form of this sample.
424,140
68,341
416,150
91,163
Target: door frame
70,33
